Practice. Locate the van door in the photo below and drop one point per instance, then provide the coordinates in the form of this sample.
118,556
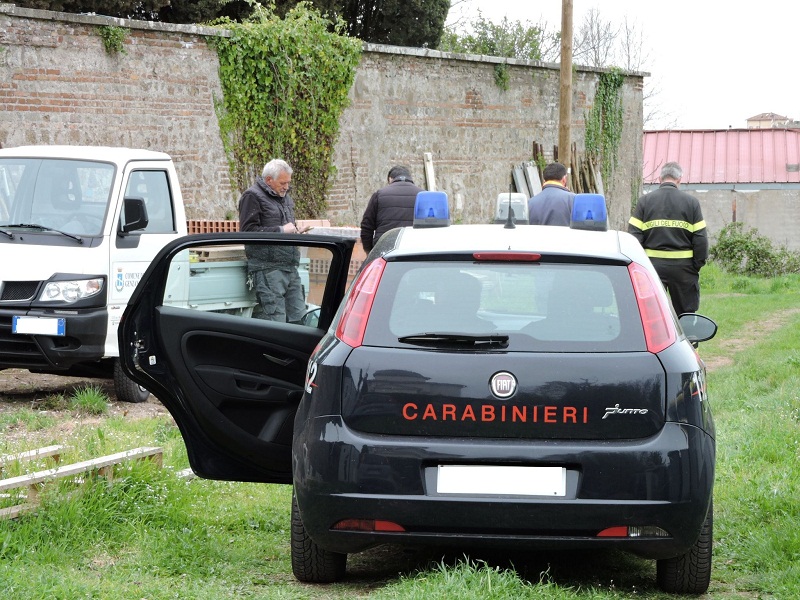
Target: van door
132,252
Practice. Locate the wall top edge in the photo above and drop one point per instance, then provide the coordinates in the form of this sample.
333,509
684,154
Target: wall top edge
92,19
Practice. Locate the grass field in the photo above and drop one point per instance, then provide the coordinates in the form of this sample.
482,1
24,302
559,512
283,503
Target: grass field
152,534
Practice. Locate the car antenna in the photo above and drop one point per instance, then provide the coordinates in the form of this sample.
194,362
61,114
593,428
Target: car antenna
510,219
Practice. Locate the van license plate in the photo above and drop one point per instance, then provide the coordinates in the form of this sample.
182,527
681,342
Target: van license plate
39,326
501,481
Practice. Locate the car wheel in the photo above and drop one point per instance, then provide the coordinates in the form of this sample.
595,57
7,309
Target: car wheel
690,573
310,563
126,389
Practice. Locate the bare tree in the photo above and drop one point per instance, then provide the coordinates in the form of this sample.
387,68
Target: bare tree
632,55
593,45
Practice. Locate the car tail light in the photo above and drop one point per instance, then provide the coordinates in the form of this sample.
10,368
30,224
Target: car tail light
653,309
367,525
354,319
634,532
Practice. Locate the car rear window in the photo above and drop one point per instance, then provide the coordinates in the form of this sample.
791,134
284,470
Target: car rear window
546,307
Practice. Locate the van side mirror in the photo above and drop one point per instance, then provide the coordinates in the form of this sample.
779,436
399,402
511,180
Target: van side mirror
134,215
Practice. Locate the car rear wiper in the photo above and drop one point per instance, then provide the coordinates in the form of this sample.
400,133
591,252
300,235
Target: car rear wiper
8,233
458,339
77,238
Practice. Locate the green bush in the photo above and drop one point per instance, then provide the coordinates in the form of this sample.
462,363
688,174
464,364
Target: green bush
747,252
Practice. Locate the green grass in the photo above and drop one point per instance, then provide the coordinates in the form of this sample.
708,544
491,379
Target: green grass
153,535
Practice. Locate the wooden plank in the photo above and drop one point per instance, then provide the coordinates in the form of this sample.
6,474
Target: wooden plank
430,176
532,177
95,464
53,452
519,181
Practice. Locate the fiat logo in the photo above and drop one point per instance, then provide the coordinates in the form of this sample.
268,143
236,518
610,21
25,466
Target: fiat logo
503,385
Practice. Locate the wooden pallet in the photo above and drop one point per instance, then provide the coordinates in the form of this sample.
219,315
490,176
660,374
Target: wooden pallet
53,452
102,466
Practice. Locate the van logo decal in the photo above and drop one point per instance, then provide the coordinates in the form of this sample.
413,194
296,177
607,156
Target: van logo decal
616,410
503,385
119,282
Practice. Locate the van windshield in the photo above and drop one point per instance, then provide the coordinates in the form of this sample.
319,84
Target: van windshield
64,195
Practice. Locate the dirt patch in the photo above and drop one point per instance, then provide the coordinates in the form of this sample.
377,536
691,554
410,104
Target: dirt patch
22,389
753,333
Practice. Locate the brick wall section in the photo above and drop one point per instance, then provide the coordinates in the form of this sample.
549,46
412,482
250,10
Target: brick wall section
58,85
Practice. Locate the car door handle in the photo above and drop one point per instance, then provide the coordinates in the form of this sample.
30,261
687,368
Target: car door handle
284,362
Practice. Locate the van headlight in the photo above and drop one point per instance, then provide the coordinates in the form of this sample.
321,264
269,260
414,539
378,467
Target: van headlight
71,291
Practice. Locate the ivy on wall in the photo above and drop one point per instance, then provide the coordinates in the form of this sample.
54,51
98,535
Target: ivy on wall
113,38
604,123
285,84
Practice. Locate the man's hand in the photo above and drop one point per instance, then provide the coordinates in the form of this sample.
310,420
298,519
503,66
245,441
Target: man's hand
289,228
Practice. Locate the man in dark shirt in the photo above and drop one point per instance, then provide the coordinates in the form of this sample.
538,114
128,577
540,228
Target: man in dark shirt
391,206
267,206
553,205
669,224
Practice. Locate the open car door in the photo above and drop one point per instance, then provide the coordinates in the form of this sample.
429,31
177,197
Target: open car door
192,336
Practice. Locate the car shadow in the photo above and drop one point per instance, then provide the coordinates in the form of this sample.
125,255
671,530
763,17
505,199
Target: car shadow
607,570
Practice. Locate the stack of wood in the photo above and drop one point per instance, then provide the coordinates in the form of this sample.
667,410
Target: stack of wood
584,176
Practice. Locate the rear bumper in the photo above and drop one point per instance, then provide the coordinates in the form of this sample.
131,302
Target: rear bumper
84,341
665,481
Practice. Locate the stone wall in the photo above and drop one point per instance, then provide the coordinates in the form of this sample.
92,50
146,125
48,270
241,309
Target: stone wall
59,86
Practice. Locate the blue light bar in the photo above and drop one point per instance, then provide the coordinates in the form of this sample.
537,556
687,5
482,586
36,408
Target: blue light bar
431,210
589,212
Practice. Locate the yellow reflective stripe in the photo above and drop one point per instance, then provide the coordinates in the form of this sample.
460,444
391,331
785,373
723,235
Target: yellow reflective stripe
636,223
668,223
669,253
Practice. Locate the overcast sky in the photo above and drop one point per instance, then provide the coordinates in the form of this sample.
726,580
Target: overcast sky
713,63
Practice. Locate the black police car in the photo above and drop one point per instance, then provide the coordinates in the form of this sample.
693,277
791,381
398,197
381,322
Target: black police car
522,386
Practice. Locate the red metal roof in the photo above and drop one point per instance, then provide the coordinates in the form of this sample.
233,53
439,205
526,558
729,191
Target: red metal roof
725,156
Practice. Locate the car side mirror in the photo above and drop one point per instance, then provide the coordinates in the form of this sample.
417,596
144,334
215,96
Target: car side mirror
697,327
134,215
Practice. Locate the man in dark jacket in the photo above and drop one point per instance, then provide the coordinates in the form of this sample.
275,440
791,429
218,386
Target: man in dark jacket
391,206
267,206
669,224
553,205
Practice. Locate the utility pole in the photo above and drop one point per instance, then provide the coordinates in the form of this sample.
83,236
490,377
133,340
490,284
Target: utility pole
565,97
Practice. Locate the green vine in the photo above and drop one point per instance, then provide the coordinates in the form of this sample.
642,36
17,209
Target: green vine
113,38
604,123
285,84
501,76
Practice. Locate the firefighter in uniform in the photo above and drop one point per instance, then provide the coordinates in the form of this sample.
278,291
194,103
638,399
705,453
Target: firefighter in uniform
669,224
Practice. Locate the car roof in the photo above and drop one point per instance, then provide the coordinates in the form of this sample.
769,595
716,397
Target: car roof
103,153
609,244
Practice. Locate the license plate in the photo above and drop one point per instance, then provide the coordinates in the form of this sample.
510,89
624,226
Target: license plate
39,326
501,481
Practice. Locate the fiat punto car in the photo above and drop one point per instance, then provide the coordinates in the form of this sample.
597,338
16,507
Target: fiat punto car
515,386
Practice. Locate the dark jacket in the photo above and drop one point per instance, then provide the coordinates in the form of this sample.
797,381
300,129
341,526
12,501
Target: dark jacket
261,209
391,206
669,224
551,206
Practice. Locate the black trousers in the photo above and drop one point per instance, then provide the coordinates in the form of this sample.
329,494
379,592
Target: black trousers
682,281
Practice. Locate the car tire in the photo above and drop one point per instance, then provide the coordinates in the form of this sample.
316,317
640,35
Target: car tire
310,563
126,389
690,573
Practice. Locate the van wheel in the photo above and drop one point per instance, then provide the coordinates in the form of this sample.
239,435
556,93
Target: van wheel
310,563
126,389
690,573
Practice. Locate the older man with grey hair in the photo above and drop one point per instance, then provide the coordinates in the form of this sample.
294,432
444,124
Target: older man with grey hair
267,206
670,226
